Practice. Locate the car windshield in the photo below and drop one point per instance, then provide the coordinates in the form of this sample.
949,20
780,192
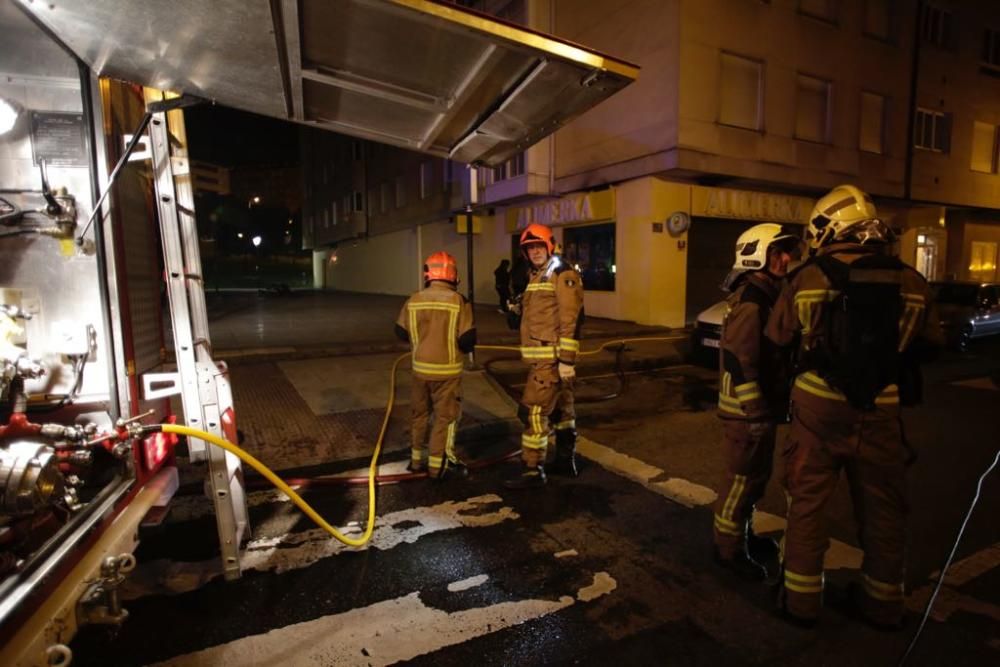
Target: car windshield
957,294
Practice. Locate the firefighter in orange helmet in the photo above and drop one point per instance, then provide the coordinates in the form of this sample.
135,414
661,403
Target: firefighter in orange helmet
437,322
752,395
857,316
551,314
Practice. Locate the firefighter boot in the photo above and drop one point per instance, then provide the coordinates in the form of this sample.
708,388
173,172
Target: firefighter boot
565,463
453,470
530,477
742,565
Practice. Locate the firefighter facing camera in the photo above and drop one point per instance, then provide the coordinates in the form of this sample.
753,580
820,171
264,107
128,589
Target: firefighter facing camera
855,315
549,315
751,396
437,322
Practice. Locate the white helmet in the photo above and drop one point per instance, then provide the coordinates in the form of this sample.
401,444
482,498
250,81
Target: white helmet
843,212
752,247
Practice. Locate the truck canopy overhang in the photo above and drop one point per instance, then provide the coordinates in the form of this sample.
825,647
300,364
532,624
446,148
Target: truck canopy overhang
412,73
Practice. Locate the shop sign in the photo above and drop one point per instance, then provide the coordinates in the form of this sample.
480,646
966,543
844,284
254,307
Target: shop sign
583,207
747,205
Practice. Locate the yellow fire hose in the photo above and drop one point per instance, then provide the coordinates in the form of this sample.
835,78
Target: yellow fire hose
268,474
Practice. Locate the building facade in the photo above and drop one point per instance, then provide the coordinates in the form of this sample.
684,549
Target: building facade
745,111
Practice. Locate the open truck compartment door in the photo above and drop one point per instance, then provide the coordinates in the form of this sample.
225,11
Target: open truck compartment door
81,326
412,73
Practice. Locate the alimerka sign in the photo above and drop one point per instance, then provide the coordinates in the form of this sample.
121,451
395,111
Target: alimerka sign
582,207
747,205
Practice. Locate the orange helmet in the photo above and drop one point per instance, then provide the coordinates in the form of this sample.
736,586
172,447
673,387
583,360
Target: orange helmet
441,266
536,233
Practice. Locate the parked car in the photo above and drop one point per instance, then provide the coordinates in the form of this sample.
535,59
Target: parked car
967,310
706,335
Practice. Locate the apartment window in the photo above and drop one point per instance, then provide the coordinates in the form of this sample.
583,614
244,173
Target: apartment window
591,251
485,176
984,147
515,166
425,179
932,130
740,91
878,19
446,175
400,192
812,109
825,10
871,136
383,197
359,201
935,25
991,49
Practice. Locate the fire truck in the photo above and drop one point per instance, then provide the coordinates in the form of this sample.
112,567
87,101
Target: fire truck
102,309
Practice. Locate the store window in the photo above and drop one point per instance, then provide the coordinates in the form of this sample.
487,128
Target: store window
982,261
872,130
591,251
812,110
740,86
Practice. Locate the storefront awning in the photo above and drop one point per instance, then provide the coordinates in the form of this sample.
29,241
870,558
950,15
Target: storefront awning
413,73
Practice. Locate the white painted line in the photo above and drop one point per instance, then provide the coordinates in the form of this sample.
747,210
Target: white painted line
466,584
978,383
690,494
293,551
679,490
567,553
383,633
971,567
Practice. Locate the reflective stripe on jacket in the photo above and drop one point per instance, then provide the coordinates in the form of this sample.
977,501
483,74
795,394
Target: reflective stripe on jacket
748,364
435,319
552,313
803,306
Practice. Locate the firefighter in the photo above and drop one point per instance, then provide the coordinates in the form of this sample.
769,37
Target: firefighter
853,311
551,314
437,322
751,394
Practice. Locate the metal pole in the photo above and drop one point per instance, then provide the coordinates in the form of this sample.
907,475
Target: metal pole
469,255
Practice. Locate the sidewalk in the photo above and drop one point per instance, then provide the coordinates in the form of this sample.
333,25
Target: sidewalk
310,374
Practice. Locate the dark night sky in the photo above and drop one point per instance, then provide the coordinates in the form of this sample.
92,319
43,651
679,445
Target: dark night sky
231,138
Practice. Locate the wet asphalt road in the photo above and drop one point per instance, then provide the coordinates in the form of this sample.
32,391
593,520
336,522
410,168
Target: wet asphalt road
585,571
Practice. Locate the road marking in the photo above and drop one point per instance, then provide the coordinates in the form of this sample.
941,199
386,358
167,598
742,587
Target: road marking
950,600
971,567
679,490
383,633
292,551
466,584
690,494
566,554
978,383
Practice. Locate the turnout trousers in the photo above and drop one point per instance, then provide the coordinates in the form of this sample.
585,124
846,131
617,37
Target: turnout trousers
828,436
546,406
748,468
437,404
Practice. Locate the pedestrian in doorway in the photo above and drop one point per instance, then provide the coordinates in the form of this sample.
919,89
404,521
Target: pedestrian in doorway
550,314
752,395
855,313
437,322
501,279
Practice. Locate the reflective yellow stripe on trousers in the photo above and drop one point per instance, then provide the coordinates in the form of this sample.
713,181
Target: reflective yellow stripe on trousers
803,583
813,384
